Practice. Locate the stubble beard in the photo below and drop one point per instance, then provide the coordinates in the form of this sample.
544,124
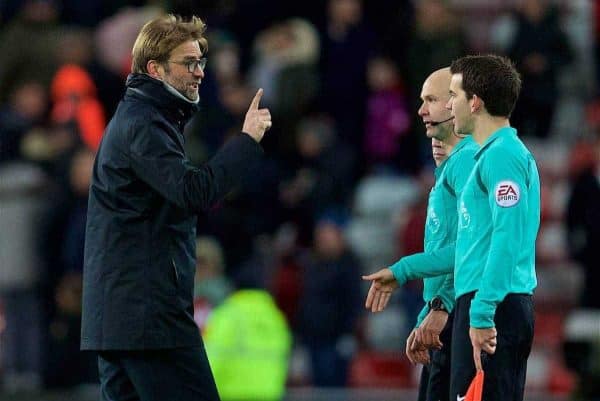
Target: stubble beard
443,133
463,129
187,91
182,87
191,94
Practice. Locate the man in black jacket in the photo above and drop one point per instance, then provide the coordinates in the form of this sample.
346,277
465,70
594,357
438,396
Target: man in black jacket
583,226
140,235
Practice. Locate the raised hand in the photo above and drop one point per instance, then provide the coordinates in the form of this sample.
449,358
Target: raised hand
257,120
383,284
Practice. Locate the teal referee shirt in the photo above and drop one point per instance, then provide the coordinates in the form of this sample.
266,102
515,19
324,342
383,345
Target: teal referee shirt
440,227
498,221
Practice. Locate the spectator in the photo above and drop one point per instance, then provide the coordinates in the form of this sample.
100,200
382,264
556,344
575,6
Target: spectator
392,21
321,178
26,108
436,38
63,233
21,202
211,286
76,47
330,303
287,56
76,120
248,342
298,81
539,49
581,346
387,115
76,105
583,225
287,273
28,44
116,35
88,13
67,366
347,43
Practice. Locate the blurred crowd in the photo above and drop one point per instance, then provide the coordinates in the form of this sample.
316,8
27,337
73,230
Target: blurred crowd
342,190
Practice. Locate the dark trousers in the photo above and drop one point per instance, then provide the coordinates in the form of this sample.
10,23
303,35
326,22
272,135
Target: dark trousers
179,374
435,377
506,369
329,368
21,351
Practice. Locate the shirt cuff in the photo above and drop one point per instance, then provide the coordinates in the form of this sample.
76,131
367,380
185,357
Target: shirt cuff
448,302
399,271
482,314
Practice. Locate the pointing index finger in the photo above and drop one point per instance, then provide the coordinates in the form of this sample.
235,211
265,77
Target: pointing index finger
256,100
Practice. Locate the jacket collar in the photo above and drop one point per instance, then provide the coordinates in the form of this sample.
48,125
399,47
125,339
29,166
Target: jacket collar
157,92
501,132
461,144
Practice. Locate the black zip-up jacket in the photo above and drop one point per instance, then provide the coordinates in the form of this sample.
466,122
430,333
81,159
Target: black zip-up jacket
139,259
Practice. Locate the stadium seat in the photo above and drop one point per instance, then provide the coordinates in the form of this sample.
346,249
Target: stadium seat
378,369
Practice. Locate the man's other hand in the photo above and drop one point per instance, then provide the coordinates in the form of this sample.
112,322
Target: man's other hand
383,284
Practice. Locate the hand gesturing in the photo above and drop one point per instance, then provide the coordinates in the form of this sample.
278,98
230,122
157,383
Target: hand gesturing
383,284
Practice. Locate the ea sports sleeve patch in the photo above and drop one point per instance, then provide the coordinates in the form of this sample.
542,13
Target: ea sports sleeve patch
507,193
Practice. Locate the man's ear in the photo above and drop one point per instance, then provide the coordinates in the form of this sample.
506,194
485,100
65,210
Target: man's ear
155,70
476,104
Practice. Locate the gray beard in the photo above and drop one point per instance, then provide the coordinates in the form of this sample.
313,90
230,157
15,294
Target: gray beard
179,94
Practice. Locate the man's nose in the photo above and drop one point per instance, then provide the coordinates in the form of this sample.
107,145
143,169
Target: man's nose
199,72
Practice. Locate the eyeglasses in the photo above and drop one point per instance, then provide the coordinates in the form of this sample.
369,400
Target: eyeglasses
192,64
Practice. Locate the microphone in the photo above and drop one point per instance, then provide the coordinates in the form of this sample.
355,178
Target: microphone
434,123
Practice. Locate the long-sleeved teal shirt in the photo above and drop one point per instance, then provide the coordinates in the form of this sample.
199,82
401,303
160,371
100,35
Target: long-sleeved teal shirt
440,228
498,221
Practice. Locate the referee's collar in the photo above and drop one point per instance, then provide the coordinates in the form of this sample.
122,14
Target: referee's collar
500,133
461,144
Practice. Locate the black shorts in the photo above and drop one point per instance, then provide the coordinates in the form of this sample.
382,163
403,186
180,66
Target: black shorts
506,369
435,377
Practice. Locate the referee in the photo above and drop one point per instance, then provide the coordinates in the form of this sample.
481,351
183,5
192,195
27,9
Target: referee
430,342
498,221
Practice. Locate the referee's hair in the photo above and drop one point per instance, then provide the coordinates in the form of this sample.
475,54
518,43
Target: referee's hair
492,78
